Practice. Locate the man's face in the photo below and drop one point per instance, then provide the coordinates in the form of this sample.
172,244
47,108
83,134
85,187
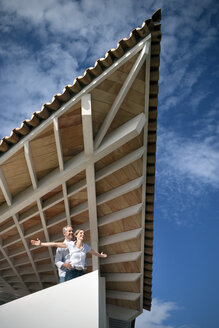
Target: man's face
69,234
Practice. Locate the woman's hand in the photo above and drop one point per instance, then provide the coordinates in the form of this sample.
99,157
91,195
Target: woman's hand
103,254
36,242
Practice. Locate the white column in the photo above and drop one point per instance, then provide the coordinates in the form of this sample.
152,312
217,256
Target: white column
90,174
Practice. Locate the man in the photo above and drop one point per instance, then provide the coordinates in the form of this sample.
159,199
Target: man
62,255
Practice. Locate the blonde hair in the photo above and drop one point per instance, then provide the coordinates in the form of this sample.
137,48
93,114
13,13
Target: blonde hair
77,232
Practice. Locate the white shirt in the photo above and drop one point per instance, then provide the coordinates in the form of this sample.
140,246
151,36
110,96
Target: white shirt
77,256
62,256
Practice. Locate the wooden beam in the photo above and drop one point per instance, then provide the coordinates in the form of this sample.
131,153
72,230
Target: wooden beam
109,195
132,210
75,189
9,287
107,219
111,142
10,240
117,294
20,231
130,158
63,109
120,136
43,220
13,268
7,226
120,237
86,111
55,199
58,143
30,165
121,313
121,95
112,217
119,191
28,214
5,189
119,258
67,208
122,277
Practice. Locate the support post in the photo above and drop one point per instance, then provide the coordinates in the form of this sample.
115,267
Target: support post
90,174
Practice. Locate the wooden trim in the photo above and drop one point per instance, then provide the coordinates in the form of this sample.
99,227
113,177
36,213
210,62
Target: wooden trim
117,294
111,142
30,165
66,202
86,112
10,288
120,237
121,313
123,277
5,189
121,95
112,217
15,218
120,163
58,143
14,269
118,258
47,237
119,191
118,63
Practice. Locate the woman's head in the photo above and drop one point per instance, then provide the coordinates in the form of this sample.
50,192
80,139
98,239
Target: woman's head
79,234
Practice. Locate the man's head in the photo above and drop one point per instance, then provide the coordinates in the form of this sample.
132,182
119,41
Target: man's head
68,233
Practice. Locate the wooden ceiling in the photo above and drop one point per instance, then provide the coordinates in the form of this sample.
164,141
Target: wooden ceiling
89,163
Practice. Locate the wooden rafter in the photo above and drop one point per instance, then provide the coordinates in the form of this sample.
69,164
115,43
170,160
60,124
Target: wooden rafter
45,229
5,188
30,164
26,246
114,140
58,143
63,185
122,93
4,252
86,111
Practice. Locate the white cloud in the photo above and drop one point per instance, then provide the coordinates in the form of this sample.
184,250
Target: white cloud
187,170
187,34
158,315
195,159
72,35
32,80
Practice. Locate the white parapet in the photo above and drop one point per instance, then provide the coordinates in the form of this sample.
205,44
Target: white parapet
75,303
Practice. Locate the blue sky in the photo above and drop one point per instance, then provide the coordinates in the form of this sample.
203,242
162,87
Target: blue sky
44,45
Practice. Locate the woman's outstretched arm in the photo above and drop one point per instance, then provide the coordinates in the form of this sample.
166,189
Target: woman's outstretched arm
49,244
93,252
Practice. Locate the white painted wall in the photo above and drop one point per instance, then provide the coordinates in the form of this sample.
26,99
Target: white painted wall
74,303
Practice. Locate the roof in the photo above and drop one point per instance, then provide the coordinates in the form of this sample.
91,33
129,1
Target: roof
149,26
87,159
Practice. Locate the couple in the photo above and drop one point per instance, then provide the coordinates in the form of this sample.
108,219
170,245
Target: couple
74,253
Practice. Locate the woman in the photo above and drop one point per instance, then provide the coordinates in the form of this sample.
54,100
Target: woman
77,249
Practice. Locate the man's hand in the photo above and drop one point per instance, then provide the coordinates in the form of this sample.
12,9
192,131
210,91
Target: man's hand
67,265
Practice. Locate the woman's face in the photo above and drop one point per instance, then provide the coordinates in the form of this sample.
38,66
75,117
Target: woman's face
81,235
